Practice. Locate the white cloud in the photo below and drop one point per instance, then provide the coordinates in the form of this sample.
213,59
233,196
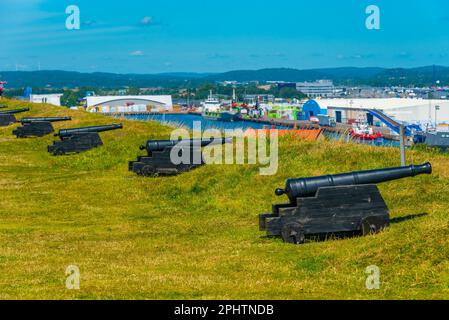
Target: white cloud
137,53
147,20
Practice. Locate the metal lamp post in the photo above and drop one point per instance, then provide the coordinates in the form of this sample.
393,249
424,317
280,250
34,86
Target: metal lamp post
402,144
437,108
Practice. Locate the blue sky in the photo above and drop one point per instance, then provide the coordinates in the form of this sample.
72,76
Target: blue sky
154,36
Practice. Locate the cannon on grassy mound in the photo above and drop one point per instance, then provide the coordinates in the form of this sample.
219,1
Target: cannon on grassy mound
37,127
79,139
161,153
334,204
8,118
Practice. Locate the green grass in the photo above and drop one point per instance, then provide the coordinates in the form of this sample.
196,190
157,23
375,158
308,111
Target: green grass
196,236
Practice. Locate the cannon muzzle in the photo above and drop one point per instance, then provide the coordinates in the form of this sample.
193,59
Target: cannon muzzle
14,111
308,187
76,131
48,119
160,145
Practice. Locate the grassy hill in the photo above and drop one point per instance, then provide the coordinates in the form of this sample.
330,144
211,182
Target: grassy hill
196,236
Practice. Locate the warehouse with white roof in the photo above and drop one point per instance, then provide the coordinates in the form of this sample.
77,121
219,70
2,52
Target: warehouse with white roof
54,99
123,104
403,110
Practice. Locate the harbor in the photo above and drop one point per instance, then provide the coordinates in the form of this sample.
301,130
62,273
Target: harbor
256,123
186,119
369,121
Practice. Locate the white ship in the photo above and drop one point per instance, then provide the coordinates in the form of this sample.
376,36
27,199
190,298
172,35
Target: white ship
212,104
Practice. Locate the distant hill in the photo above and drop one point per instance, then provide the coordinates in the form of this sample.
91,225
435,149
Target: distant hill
186,75
294,75
418,76
281,74
341,76
60,79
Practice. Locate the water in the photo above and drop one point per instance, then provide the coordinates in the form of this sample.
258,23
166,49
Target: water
377,143
187,120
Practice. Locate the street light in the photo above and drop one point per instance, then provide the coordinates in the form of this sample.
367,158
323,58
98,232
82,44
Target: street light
437,108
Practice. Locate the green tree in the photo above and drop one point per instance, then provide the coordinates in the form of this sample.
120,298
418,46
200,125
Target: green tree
69,98
290,93
133,91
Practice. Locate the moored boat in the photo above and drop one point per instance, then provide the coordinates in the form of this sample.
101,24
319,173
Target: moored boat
225,116
214,110
212,104
439,139
364,132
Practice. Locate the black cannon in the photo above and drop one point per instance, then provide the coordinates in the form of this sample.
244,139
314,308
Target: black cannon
37,127
79,139
159,159
7,117
334,204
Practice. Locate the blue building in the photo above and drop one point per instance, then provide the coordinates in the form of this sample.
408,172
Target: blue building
311,109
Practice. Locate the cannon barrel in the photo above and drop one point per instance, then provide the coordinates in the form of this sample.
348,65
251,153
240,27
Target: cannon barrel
160,145
48,119
308,187
14,111
69,132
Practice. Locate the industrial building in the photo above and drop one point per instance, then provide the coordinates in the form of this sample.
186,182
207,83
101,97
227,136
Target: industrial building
321,88
261,98
132,104
291,85
54,99
412,111
311,109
